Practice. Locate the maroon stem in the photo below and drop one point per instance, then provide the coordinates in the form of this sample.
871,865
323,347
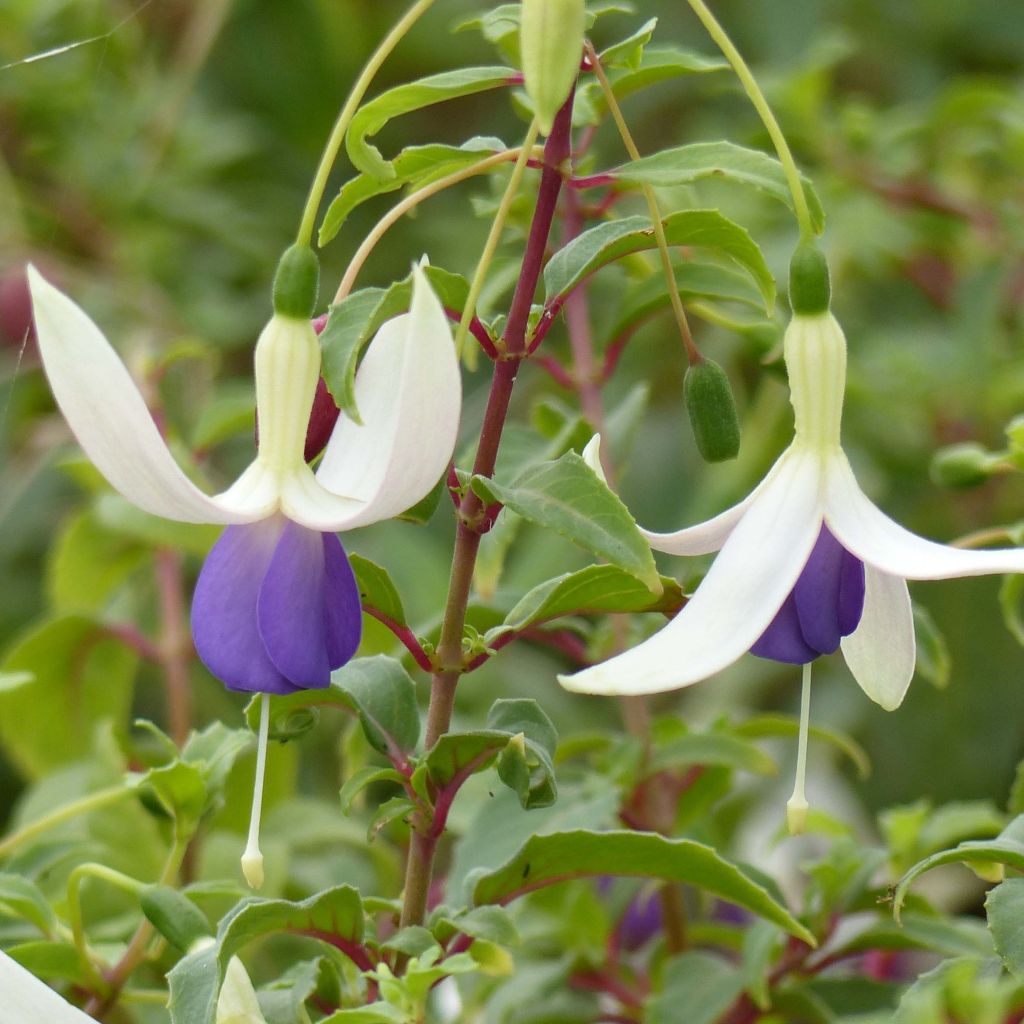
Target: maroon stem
174,646
450,662
403,633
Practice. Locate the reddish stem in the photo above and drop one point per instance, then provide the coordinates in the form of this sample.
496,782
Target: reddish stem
408,638
558,372
477,329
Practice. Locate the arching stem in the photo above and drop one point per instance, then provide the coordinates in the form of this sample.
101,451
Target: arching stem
796,808
252,858
494,237
355,97
693,354
764,111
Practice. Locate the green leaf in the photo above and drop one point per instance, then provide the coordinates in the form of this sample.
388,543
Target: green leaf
377,690
598,246
196,979
933,659
695,279
364,777
705,984
547,860
658,64
181,790
74,676
88,563
589,591
629,52
520,735
415,165
22,898
51,961
119,514
684,165
375,1013
567,496
353,322
713,748
1011,592
766,726
384,697
377,589
964,936
403,99
500,25
1004,906
1007,848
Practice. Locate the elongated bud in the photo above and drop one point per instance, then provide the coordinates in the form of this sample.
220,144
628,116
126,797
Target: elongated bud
961,466
551,42
237,1003
712,411
810,290
297,282
174,916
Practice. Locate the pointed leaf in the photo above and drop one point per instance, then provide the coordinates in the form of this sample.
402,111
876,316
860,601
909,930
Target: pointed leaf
354,321
377,589
685,165
547,860
566,496
335,914
606,243
403,99
415,165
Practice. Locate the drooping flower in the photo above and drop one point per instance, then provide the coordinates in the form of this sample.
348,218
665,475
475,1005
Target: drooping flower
807,563
276,607
24,999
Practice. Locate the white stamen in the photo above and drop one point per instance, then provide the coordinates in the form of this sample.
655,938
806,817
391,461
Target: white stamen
796,807
252,859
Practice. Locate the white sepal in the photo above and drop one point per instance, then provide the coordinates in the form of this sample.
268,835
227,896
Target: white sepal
109,418
877,540
24,999
409,395
703,538
745,587
881,651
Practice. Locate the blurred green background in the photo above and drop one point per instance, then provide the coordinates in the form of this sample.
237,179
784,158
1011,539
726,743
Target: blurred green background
156,171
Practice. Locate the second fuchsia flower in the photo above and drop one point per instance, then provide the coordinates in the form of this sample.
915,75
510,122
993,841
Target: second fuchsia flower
807,563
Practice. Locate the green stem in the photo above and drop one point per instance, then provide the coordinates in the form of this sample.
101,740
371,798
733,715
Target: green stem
494,236
693,355
764,111
75,880
397,212
355,97
118,977
92,802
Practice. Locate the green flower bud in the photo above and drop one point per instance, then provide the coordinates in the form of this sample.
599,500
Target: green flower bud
174,916
709,402
961,466
810,291
297,282
551,42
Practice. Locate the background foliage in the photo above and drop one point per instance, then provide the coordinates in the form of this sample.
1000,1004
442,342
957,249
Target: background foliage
157,170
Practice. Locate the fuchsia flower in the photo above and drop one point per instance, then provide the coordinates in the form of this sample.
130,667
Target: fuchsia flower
807,563
276,607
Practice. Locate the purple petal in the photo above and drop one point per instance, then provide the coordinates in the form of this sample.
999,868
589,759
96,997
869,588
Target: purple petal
224,626
851,593
783,640
343,610
290,609
821,599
